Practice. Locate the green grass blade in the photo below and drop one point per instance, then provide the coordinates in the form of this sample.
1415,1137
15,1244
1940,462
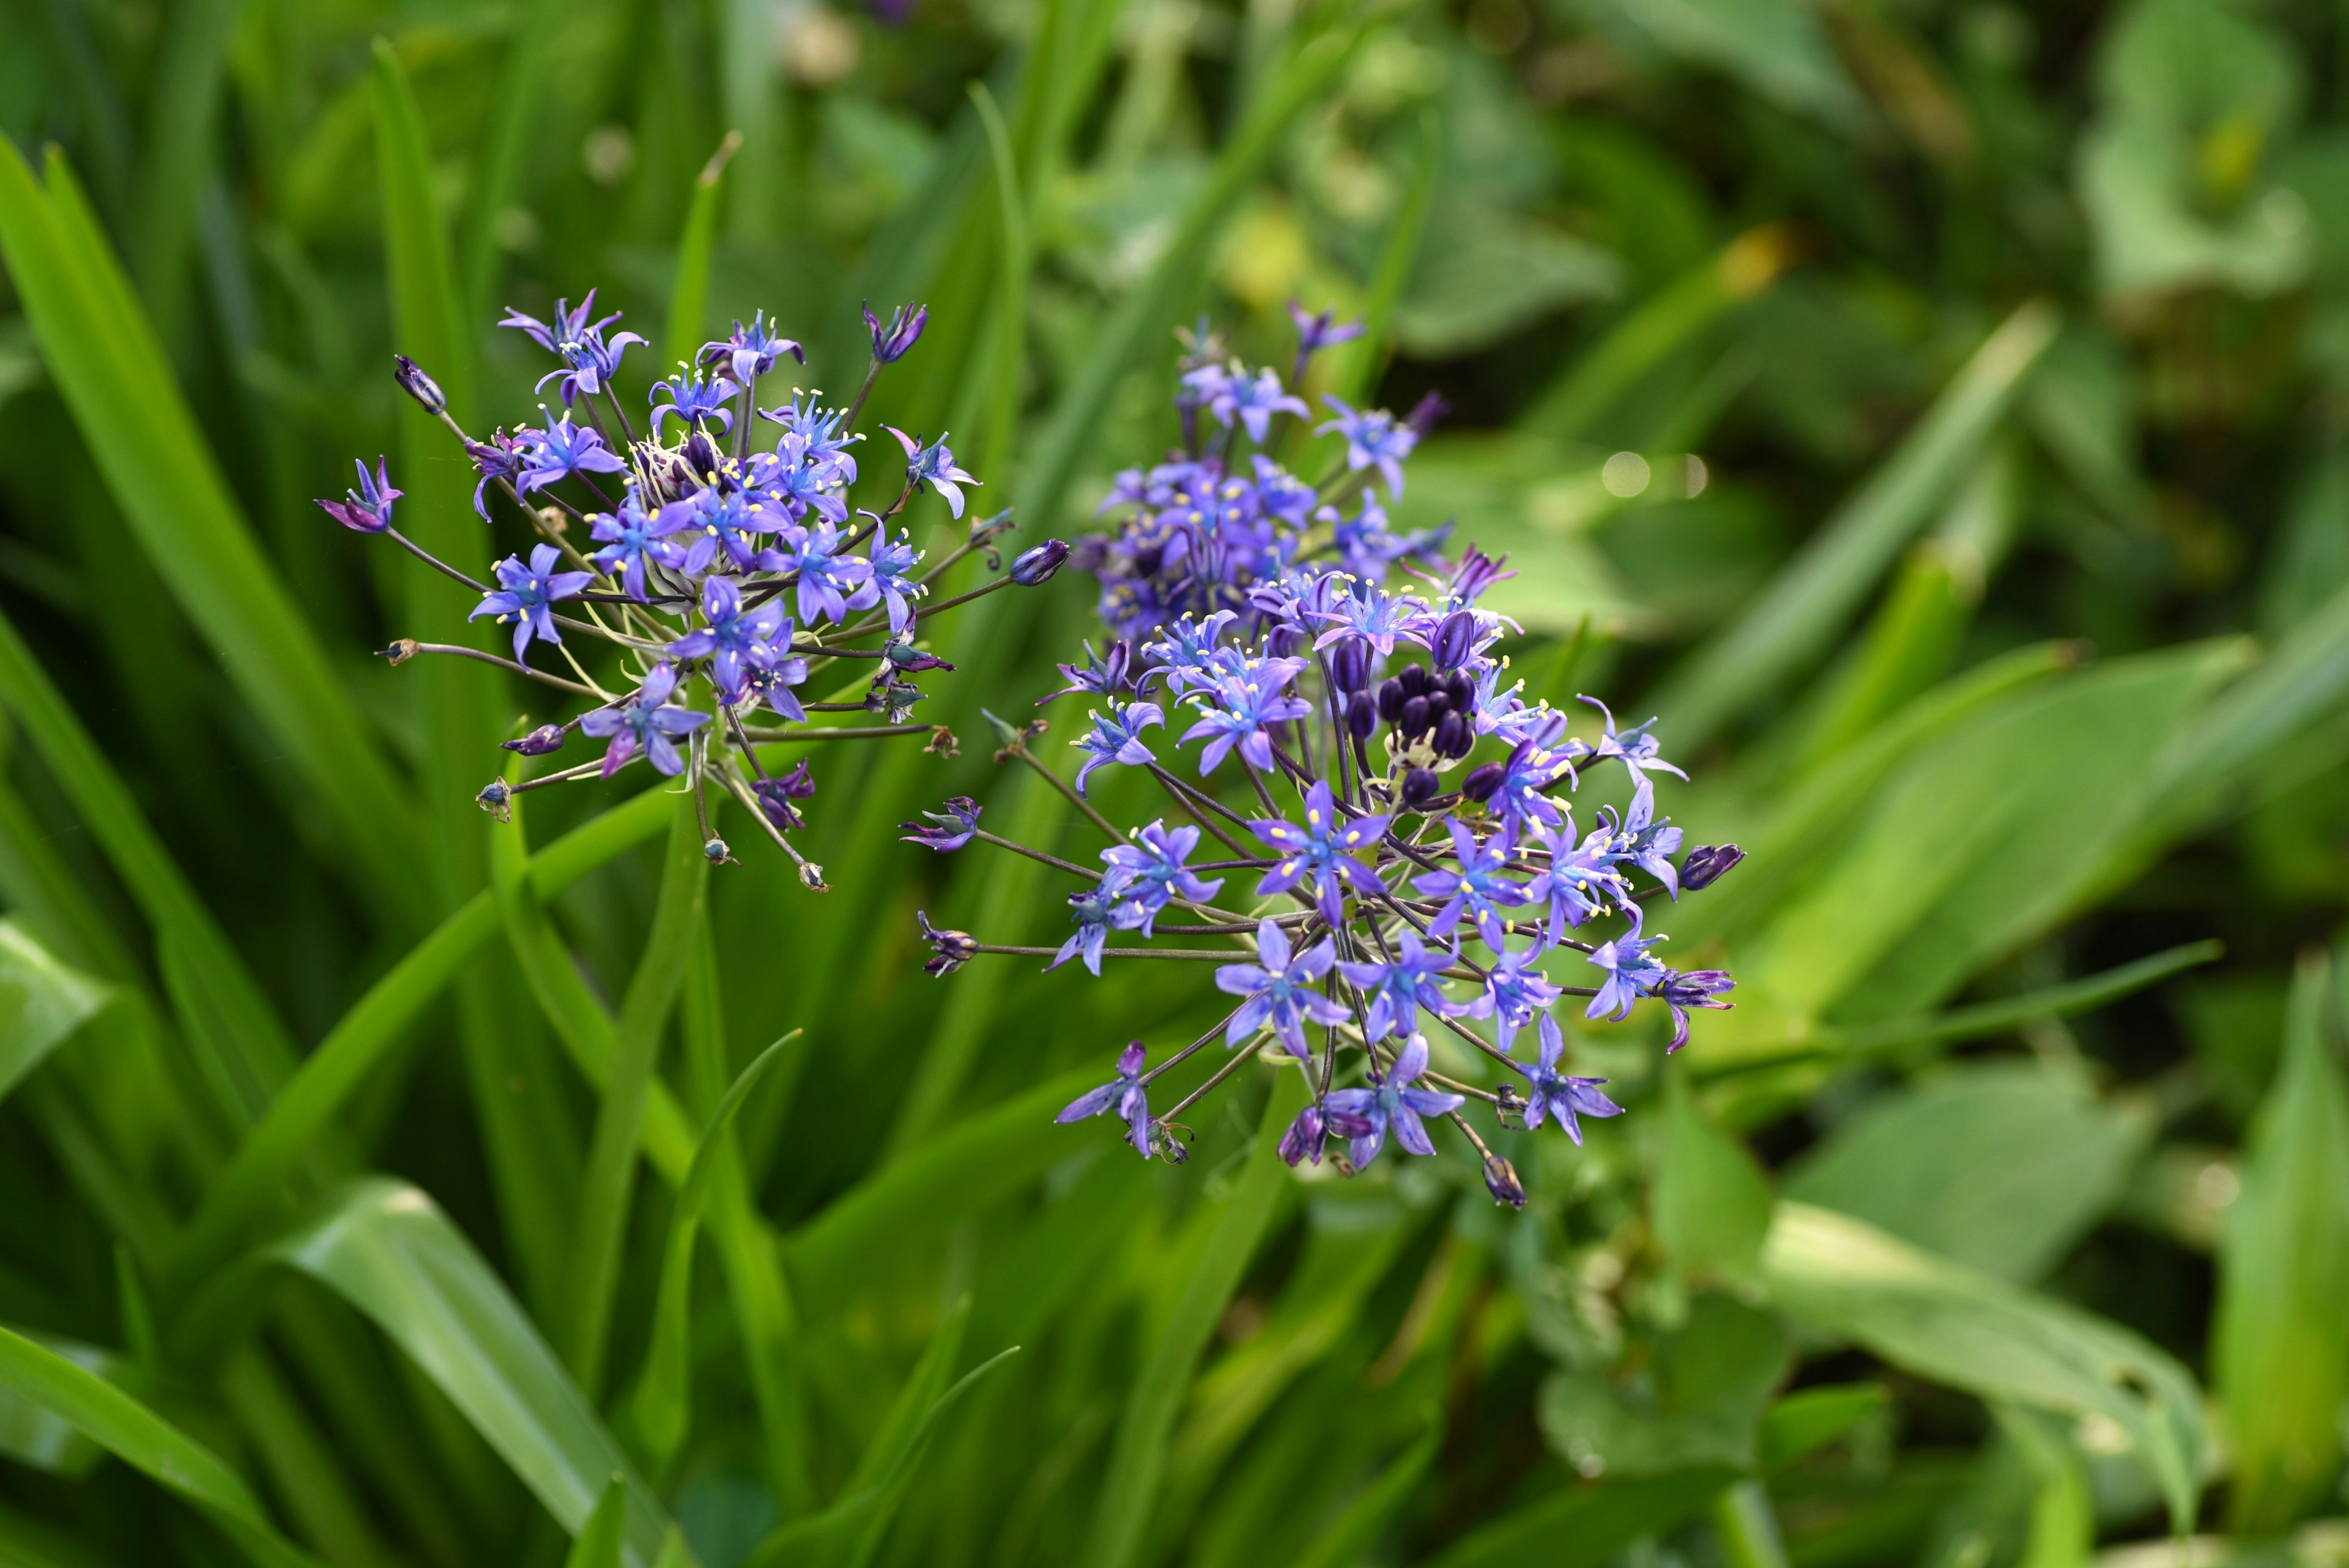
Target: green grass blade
148,1443
599,1546
1137,1463
2306,678
42,1004
388,1249
1012,265
688,296
504,153
184,101
1806,605
117,382
250,1052
1138,323
1358,371
1584,1526
2280,1361
610,1179
1346,1538
661,1407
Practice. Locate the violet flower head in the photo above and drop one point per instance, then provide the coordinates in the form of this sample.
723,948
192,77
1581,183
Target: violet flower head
1374,440
1323,852
951,828
891,341
779,797
1707,863
1476,890
1394,1104
1116,737
1630,973
1103,675
1317,330
588,361
500,458
1278,990
691,401
1127,1098
526,595
1684,989
750,352
735,638
949,949
1634,747
562,450
1236,709
645,723
1556,1096
367,509
1397,990
1150,873
1091,909
631,540
934,465
418,385
1037,565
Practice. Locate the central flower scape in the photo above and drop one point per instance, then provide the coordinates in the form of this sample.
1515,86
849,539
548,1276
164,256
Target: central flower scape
726,572
1426,870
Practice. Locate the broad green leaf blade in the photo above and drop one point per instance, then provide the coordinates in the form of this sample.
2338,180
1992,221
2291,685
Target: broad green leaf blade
2279,1356
1138,1459
1810,600
42,1002
1360,362
660,1408
142,1438
250,1054
1710,1203
1713,1379
33,1434
1948,1324
183,104
2000,1166
2306,678
1344,1541
1585,1526
688,297
117,382
1809,1418
388,1249
599,1546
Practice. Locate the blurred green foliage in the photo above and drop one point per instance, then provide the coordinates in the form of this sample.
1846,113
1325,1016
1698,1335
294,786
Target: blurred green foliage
1932,409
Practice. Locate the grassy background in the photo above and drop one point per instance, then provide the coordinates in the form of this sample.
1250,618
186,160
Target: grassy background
1932,411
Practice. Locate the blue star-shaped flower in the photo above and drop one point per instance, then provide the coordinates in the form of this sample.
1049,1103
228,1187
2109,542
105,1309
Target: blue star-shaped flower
1322,850
1392,1104
1397,991
1278,987
1556,1095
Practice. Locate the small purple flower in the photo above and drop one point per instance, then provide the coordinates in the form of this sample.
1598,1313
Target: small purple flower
1373,616
709,521
1630,975
1582,881
1647,842
1392,1104
827,574
1519,795
1279,989
949,949
1128,1098
541,742
560,450
1397,991
1372,440
1091,909
751,352
367,509
1476,888
1250,400
1556,1095
1235,710
891,341
500,457
630,539
1151,874
1317,330
526,594
889,580
1117,738
693,401
1323,850
589,361
735,640
418,385
1102,676
778,797
645,723
1707,863
771,682
798,484
1516,993
934,465
1684,989
954,826
1634,746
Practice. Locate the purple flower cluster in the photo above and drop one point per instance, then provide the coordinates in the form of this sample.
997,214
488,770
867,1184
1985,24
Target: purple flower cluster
712,564
1406,816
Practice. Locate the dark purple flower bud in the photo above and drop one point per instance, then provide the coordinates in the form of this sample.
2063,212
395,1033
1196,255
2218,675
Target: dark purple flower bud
956,825
1037,565
1286,641
950,950
1425,412
909,659
1303,1140
1439,704
1484,780
418,385
1420,785
1414,679
1361,715
1453,737
493,799
1391,699
904,326
1706,864
1501,1181
1455,639
1413,720
1349,664
538,742
1460,691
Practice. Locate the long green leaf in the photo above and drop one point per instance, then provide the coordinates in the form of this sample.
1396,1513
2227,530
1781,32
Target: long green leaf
599,1546
1137,1463
1584,1526
1345,1539
244,1049
184,101
660,1407
142,1438
388,1249
2280,1357
688,296
117,382
1361,360
1943,1322
42,1002
1808,602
